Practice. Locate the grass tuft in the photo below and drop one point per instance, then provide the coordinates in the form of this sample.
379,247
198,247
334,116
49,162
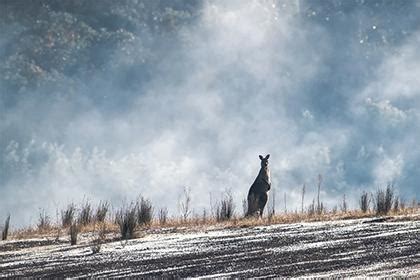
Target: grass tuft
74,231
127,221
225,209
5,231
85,215
101,211
163,216
44,221
384,199
144,211
67,215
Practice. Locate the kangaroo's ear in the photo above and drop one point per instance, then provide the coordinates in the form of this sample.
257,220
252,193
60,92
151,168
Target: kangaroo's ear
261,157
267,156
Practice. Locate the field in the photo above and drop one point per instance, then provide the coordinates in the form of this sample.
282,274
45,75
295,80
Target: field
355,247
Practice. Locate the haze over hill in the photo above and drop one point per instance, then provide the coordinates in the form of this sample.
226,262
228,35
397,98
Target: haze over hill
115,98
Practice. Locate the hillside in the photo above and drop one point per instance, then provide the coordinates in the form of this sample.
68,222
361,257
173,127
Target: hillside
360,247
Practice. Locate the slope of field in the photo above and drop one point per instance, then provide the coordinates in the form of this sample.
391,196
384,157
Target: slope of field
340,248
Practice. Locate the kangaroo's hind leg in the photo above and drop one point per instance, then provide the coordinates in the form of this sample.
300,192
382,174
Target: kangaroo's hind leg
253,205
262,201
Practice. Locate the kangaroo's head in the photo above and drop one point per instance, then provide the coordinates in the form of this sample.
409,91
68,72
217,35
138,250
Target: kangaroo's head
264,161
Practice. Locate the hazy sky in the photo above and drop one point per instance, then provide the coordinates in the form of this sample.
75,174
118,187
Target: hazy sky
325,87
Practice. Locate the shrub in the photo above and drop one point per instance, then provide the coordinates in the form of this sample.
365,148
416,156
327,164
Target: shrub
67,216
384,200
225,209
144,211
101,211
163,216
311,208
343,205
402,204
396,205
73,231
85,215
364,202
44,221
127,221
97,243
204,216
5,231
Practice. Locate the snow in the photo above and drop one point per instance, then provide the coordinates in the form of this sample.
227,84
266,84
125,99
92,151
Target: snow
323,249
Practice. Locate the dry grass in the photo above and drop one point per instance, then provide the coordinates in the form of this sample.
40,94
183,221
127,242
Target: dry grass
197,223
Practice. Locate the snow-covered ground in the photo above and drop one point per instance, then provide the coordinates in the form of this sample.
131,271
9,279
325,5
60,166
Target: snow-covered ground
338,248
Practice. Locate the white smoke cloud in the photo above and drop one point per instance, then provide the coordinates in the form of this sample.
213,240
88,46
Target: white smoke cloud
219,98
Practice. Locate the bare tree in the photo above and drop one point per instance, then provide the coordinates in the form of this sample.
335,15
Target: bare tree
303,196
344,204
272,208
185,204
285,203
318,206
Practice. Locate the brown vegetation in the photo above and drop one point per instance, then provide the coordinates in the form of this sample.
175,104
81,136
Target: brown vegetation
133,220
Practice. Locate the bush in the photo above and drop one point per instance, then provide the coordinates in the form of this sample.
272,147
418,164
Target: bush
67,216
402,204
396,206
364,202
44,221
144,212
311,208
163,216
101,211
5,231
73,231
225,209
85,215
204,216
127,221
384,200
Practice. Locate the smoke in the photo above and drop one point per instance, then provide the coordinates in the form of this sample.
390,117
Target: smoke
244,79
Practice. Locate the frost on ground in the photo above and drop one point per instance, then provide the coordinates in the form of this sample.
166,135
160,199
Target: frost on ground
339,248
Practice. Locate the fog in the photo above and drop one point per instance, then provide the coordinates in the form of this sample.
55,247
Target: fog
323,88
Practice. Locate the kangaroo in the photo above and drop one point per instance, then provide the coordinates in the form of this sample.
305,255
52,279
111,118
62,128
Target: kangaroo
258,193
